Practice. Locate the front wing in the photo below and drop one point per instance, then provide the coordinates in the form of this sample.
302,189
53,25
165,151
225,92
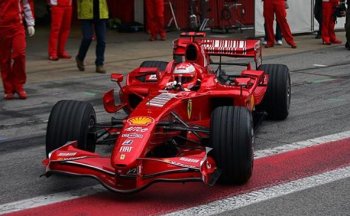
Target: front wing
73,161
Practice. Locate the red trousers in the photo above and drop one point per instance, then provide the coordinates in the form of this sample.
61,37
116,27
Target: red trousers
61,17
31,2
13,58
272,8
155,17
328,23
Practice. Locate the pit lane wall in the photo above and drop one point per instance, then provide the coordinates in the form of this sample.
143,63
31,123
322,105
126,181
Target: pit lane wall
300,17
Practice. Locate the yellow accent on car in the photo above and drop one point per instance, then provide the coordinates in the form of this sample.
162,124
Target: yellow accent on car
140,120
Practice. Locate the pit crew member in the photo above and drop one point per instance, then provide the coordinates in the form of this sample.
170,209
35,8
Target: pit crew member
13,14
61,18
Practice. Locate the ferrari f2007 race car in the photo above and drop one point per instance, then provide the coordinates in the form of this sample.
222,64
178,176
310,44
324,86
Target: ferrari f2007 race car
185,121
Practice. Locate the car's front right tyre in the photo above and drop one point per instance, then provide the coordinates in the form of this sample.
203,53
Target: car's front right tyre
70,120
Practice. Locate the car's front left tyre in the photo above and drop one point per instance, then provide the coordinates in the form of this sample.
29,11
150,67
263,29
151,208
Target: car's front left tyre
232,138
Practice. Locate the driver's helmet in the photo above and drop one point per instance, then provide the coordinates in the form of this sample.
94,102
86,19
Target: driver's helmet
185,74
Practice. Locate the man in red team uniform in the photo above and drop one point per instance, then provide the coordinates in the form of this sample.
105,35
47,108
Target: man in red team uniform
61,17
278,8
328,22
155,19
13,45
31,3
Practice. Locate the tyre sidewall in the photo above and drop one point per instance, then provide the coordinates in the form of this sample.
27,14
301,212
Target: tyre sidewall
232,137
68,121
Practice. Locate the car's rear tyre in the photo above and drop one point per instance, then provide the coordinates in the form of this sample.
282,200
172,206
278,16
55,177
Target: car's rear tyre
68,121
276,101
232,138
161,65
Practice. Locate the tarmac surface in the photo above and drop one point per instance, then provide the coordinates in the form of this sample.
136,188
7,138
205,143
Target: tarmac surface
125,51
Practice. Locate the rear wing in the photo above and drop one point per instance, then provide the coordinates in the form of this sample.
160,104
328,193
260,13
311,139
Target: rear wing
221,47
233,48
227,47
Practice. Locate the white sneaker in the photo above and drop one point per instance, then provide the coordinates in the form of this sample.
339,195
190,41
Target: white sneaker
279,42
264,42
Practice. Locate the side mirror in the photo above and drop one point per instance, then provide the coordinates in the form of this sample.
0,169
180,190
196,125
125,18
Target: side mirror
116,77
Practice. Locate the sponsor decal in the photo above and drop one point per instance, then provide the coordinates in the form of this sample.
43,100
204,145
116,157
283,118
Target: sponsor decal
67,154
70,158
190,160
139,169
184,68
208,165
176,163
189,108
122,157
140,120
132,135
127,142
224,46
125,149
151,77
136,129
161,99
132,172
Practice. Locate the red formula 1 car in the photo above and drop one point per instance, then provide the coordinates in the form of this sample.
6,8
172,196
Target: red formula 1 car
186,121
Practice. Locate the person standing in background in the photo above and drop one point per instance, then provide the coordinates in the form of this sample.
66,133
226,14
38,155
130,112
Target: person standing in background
318,17
347,26
155,19
278,35
13,45
61,18
328,22
31,3
93,15
278,8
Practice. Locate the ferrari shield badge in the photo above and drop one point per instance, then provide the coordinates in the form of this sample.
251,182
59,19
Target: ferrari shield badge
189,108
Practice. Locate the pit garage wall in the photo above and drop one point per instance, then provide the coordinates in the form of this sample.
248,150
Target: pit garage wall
123,9
299,15
239,11
244,13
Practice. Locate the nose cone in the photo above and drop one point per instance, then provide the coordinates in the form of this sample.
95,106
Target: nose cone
132,142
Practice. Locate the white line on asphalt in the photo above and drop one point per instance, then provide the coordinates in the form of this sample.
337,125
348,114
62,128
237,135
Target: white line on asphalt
64,196
320,65
243,200
301,144
49,199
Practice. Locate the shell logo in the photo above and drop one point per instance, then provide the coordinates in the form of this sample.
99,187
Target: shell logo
140,120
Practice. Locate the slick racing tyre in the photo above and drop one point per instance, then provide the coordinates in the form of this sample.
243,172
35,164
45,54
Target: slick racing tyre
276,101
232,138
68,121
161,65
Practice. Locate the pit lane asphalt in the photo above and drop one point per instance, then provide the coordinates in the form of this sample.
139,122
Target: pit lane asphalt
320,101
329,199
